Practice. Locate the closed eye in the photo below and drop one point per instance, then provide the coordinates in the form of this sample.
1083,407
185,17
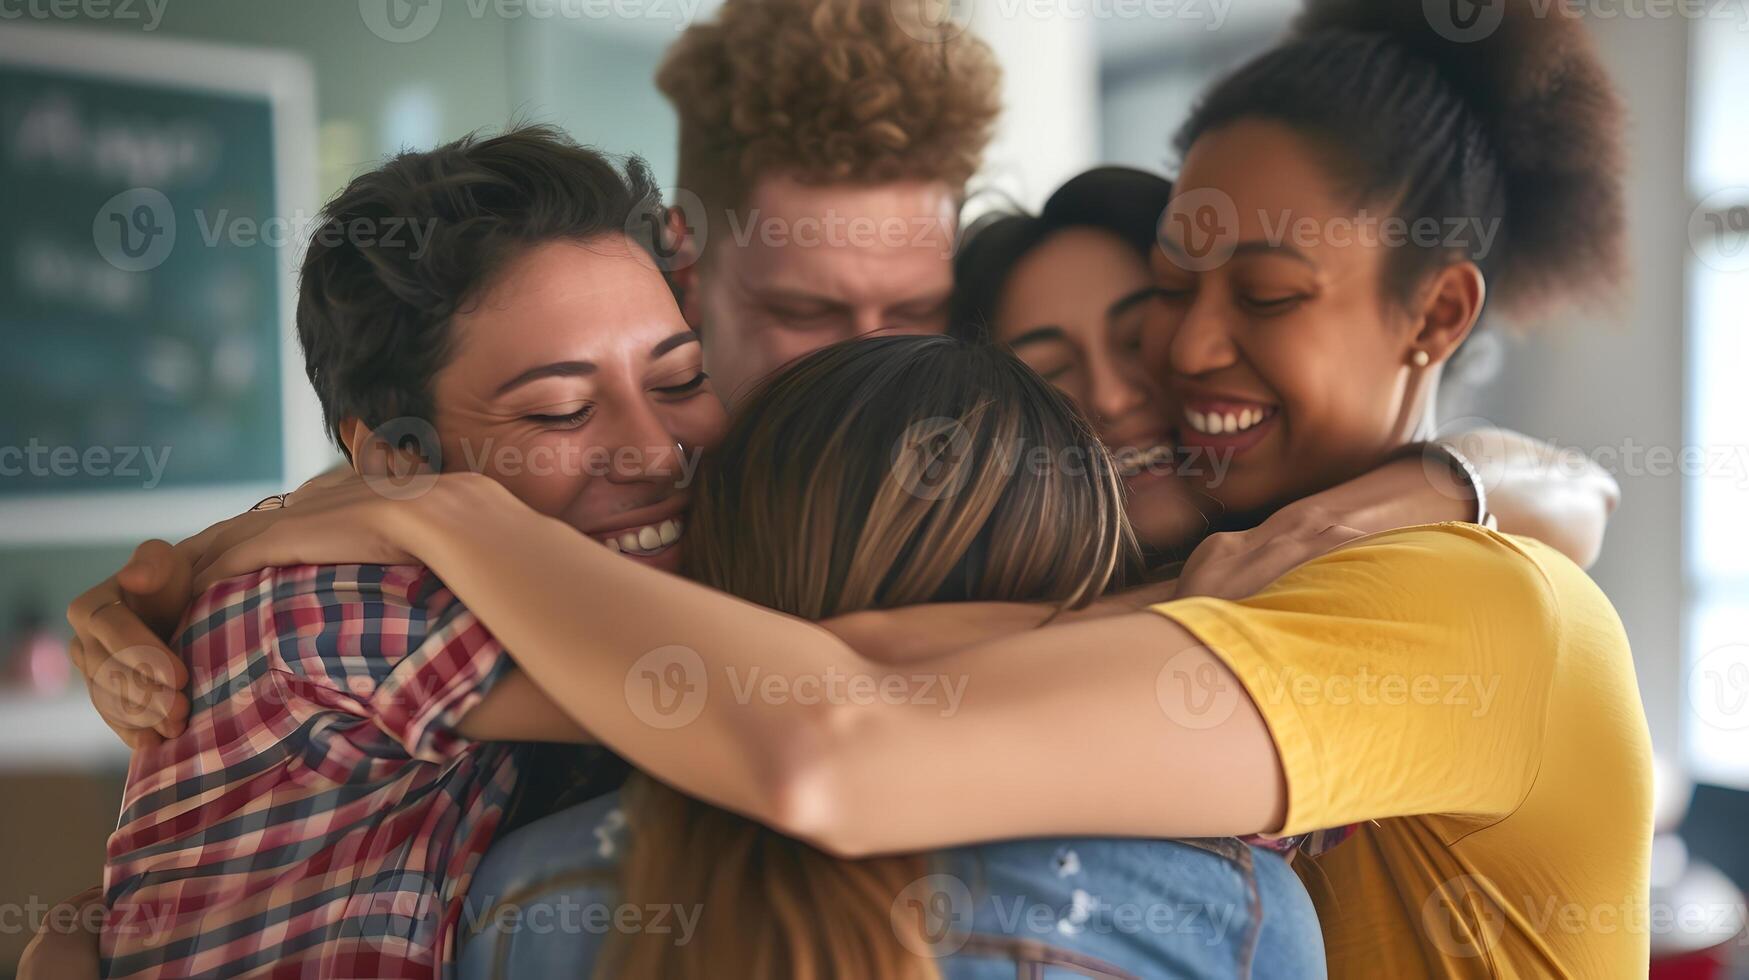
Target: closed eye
687,387
570,420
1272,304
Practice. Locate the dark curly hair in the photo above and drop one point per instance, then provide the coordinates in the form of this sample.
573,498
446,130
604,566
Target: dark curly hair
405,247
1521,128
827,91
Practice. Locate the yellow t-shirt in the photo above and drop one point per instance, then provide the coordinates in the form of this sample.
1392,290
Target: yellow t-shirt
1469,698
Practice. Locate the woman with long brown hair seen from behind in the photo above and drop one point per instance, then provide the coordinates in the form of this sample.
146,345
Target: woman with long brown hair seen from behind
876,474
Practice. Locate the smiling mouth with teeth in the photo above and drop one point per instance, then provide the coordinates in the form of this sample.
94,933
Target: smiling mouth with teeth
651,539
1227,423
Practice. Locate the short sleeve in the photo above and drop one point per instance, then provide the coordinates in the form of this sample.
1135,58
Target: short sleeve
451,662
1407,674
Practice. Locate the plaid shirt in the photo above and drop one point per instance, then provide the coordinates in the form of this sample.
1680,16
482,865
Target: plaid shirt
320,817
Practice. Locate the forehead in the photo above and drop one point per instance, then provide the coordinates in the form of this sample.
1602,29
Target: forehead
1267,170
1075,269
861,243
1084,250
567,300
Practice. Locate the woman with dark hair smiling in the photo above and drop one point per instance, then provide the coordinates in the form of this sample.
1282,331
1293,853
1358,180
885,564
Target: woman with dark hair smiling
1069,290
1066,290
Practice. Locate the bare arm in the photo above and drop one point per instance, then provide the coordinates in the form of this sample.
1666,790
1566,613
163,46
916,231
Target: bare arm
661,668
1538,490
1534,490
66,945
918,633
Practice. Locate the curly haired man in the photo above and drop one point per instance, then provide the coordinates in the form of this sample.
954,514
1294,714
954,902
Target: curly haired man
825,146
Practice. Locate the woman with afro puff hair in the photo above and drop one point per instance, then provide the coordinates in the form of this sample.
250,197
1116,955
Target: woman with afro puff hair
1377,187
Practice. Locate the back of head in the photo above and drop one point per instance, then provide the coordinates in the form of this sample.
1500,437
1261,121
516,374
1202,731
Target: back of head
1512,121
871,474
900,470
827,91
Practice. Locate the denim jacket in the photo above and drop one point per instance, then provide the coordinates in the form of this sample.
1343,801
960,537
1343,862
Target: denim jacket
544,903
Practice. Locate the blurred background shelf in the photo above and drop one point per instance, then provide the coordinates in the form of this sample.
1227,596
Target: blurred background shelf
121,519
60,734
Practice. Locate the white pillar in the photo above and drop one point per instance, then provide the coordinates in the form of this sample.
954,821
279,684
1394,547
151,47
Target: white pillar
1049,129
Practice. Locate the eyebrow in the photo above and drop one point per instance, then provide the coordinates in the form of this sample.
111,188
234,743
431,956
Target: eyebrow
557,369
780,294
1038,335
1130,302
578,369
669,343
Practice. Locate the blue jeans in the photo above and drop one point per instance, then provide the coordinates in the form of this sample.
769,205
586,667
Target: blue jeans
543,904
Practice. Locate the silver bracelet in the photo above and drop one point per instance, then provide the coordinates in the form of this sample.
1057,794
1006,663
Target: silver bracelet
1460,465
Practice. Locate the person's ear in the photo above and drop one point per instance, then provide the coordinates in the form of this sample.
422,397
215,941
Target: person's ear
1453,304
355,435
685,249
378,453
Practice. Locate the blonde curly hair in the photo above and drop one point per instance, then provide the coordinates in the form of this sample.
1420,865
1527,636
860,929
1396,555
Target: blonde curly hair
863,91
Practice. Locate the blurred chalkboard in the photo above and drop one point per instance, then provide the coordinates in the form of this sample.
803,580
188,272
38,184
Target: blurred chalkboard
143,261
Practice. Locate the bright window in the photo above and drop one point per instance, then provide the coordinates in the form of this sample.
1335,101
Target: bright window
1716,469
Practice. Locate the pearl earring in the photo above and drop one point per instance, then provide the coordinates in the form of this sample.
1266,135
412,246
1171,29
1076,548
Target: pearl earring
1420,358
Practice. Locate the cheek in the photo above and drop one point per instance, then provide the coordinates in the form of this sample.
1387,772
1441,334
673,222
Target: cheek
1158,329
726,319
546,472
1341,395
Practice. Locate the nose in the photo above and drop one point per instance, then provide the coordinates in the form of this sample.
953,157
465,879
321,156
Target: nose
865,320
1201,340
1113,389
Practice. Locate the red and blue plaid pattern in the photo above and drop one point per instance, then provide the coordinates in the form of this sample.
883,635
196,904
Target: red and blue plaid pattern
320,817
